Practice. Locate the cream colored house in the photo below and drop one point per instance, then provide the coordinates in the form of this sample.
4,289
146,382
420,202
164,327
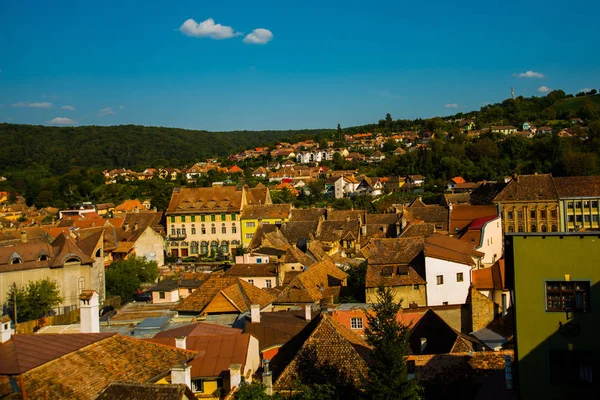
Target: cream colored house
143,242
73,265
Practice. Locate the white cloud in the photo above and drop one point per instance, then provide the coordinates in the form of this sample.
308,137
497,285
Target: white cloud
62,121
207,28
543,89
106,111
529,74
259,36
121,107
585,90
33,105
451,105
70,108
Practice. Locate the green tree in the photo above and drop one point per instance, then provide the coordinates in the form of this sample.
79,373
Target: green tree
252,391
34,301
124,277
389,338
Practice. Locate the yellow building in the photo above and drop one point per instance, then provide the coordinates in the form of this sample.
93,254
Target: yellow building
579,202
529,203
255,215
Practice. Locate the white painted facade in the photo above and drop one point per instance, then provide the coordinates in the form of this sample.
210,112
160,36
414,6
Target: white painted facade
491,242
450,291
169,297
151,245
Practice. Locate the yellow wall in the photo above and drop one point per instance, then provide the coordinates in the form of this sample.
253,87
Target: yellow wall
406,294
252,230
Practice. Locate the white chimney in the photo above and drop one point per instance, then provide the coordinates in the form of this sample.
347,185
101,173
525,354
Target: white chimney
88,312
255,313
180,342
235,375
5,330
182,374
307,312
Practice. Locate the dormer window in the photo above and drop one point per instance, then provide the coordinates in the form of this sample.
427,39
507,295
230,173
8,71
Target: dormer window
73,260
16,260
43,257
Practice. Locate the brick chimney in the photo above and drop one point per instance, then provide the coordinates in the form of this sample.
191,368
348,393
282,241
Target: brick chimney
255,313
182,374
88,312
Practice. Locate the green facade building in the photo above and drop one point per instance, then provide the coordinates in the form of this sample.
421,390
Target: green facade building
555,283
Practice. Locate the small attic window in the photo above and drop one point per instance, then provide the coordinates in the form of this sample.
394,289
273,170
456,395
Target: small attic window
73,260
43,257
99,252
16,260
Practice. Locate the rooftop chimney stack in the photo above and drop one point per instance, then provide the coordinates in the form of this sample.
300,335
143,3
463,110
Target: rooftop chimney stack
182,374
255,313
6,331
88,312
23,236
235,375
307,312
136,226
180,342
267,378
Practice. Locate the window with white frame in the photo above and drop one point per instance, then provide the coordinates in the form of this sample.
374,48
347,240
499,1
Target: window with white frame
268,283
440,279
250,224
356,323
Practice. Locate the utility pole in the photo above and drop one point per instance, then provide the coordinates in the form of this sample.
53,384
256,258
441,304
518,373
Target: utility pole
15,304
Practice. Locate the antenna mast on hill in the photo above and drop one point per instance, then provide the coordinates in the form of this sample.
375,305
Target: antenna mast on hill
512,93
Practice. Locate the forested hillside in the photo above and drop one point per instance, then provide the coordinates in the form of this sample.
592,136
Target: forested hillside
60,149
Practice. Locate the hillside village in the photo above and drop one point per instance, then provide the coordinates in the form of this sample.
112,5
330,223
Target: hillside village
270,262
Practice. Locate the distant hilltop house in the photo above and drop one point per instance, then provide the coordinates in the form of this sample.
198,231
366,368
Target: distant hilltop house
506,130
467,124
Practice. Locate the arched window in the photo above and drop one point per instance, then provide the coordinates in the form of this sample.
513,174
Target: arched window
554,229
184,244
194,248
203,247
43,257
533,228
213,229
214,246
16,260
544,228
73,260
225,247
80,284
223,229
235,242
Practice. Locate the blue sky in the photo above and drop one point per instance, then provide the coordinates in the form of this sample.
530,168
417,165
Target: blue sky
310,64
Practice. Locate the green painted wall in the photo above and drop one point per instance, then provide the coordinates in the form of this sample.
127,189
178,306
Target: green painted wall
537,259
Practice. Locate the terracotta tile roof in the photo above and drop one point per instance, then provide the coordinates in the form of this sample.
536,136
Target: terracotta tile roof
489,278
261,231
394,251
274,240
418,229
296,230
310,286
25,352
129,205
487,192
266,211
143,391
239,293
389,218
226,199
295,255
333,231
215,353
430,213
173,284
578,186
456,198
85,372
289,276
441,338
392,275
346,215
447,248
276,328
258,195
252,270
458,179
143,219
58,252
462,215
198,329
529,188
324,342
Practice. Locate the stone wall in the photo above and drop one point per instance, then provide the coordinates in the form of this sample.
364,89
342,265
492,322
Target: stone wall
482,310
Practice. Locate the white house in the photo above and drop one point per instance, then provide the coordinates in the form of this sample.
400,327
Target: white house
448,264
486,234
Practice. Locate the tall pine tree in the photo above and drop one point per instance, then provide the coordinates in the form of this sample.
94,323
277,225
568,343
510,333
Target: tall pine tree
389,338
